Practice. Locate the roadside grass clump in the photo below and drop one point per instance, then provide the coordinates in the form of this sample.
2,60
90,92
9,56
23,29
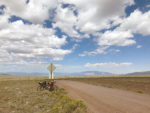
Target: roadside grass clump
68,105
139,91
21,96
109,86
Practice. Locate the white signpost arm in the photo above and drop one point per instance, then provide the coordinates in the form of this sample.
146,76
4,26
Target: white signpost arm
51,68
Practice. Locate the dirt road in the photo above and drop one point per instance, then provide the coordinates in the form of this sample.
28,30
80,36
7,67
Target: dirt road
107,100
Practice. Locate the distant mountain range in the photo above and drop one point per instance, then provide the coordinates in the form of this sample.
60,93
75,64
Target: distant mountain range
139,73
84,73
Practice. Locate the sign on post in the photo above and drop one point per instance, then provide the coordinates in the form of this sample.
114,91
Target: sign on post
51,68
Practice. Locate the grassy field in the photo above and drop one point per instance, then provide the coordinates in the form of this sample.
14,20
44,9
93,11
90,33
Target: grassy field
6,77
20,95
136,84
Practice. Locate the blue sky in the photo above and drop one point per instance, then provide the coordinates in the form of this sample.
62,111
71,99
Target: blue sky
89,35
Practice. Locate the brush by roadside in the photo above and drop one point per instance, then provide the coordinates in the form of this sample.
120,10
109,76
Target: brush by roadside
21,96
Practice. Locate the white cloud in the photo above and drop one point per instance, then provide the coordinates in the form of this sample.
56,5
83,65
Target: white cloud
123,35
137,22
95,15
111,64
100,50
4,21
20,42
139,46
111,38
116,38
66,20
35,11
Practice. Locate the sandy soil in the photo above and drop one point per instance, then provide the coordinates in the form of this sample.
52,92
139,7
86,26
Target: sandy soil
107,100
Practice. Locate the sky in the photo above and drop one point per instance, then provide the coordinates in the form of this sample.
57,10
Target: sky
75,35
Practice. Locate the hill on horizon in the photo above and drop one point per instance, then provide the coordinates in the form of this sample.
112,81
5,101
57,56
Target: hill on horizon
140,73
83,73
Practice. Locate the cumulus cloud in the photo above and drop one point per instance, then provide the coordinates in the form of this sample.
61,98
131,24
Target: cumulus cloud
4,21
116,38
88,19
137,22
66,20
79,19
21,42
111,64
123,35
35,11
95,15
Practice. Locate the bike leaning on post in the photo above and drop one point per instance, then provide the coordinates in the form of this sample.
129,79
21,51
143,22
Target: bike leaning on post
50,85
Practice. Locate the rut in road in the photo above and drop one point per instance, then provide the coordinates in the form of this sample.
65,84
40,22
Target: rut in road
107,100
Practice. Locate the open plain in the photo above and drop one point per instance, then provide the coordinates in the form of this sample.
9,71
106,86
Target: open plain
19,94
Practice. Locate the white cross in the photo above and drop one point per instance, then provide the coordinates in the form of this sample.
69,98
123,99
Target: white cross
51,68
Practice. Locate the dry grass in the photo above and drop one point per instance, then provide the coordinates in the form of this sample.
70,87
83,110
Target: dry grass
21,96
13,77
136,84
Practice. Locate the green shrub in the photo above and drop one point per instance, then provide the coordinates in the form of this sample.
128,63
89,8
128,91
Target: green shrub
139,91
68,105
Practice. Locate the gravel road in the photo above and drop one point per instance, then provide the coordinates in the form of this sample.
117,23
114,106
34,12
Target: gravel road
107,100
